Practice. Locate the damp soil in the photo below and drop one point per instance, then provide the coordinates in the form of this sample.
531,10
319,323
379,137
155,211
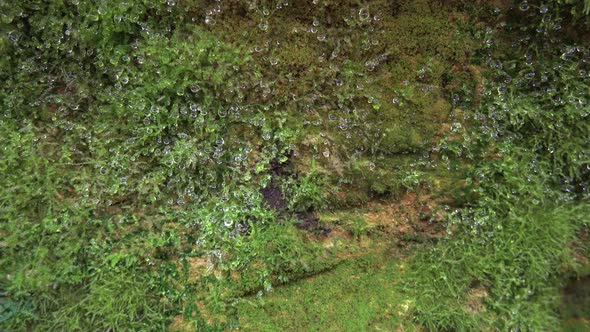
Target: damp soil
276,200
307,221
575,307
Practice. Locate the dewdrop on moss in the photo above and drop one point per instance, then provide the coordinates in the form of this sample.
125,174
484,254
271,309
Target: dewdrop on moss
364,15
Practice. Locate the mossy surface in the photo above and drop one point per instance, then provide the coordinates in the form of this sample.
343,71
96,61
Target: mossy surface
371,300
203,165
366,86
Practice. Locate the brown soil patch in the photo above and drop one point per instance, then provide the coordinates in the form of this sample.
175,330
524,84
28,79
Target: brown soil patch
307,221
475,300
178,324
198,267
335,235
410,215
575,305
273,197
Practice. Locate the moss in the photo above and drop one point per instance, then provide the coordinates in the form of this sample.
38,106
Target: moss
419,65
372,299
290,256
138,136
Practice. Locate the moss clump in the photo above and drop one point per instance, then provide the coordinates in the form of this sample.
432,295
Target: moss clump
372,298
358,90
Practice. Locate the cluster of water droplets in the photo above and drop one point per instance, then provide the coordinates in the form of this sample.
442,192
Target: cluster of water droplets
195,122
547,84
340,103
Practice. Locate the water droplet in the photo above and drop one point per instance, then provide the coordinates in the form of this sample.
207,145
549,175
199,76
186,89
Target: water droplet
195,88
543,10
13,37
364,15
321,37
524,6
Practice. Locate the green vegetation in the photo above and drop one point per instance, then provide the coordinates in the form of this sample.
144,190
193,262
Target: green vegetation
355,296
530,179
204,165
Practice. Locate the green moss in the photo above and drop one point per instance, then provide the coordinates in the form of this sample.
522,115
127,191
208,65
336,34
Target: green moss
372,300
141,137
289,256
424,40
